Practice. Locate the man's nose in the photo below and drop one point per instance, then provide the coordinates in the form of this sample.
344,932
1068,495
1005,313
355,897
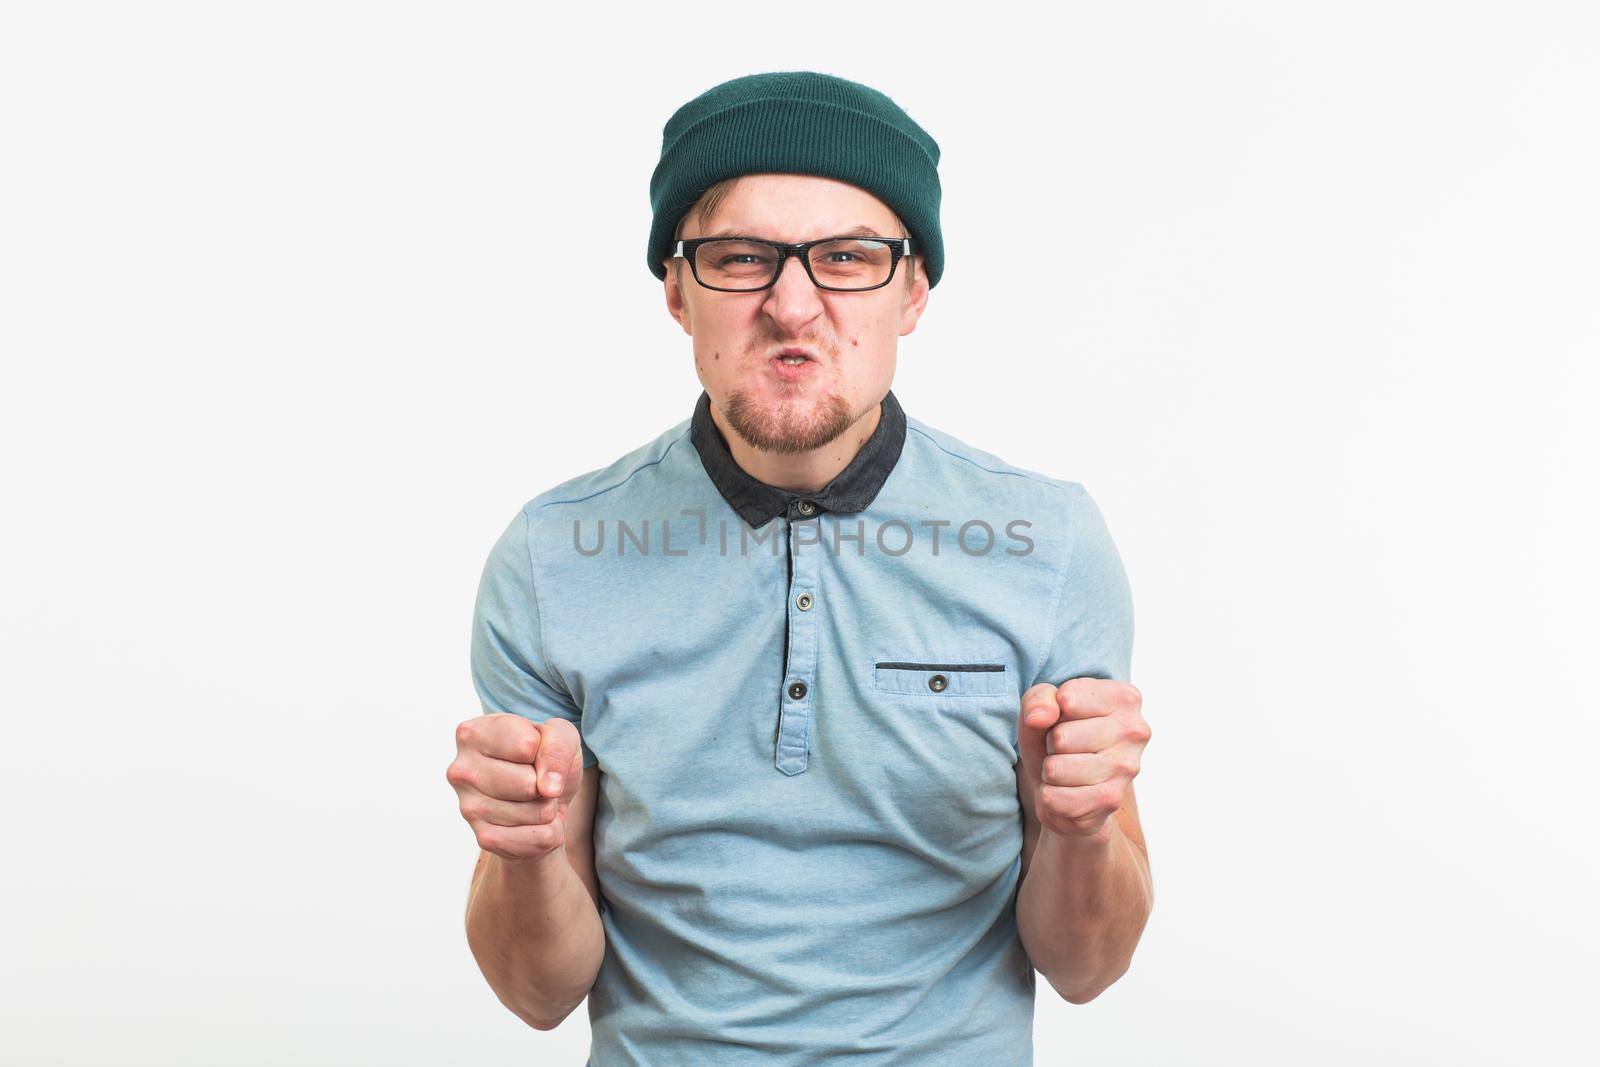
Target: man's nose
793,300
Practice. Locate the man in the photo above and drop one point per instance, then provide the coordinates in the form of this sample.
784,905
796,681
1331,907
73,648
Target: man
808,734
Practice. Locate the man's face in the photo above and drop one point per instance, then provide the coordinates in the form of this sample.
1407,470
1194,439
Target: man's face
849,337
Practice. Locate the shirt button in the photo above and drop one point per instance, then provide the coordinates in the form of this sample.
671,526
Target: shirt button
805,507
797,690
937,683
803,601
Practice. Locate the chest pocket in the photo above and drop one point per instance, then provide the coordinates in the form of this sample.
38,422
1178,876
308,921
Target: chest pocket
945,679
943,767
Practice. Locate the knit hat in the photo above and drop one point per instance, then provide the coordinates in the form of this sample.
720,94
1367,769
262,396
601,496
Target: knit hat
798,122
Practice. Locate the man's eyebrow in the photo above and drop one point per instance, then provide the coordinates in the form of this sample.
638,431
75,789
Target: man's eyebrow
859,231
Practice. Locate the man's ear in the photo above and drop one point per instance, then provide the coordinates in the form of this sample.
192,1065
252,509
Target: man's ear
916,296
677,306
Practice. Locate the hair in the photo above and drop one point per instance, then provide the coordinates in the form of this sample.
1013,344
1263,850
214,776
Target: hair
706,206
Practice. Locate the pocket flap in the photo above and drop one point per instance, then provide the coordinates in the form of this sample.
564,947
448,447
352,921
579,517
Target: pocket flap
941,678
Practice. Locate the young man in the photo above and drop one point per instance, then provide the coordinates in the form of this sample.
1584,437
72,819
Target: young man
808,734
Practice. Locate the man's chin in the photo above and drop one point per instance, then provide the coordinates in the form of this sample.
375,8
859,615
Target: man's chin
789,424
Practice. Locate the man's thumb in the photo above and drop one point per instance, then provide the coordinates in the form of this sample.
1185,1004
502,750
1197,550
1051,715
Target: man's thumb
1039,712
557,761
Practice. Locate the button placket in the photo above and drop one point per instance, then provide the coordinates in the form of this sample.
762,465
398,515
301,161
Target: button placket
799,682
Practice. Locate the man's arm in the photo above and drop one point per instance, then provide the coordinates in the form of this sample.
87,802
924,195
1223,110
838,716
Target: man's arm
534,925
533,920
1086,891
1083,903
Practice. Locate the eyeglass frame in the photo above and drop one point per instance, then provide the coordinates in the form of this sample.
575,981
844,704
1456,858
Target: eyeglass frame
899,248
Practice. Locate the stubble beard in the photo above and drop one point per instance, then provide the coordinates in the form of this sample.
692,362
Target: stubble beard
783,431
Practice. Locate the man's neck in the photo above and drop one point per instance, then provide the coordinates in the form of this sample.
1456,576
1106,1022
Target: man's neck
800,472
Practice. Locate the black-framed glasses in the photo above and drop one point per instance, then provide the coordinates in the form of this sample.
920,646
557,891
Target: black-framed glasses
750,264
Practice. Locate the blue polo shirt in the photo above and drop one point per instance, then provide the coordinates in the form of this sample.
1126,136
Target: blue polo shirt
803,710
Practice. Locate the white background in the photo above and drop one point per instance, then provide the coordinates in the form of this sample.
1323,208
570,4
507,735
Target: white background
1305,295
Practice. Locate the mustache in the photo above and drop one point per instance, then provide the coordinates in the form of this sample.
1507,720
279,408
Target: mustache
763,346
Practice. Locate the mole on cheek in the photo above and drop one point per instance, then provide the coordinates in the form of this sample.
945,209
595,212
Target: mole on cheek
716,355
856,341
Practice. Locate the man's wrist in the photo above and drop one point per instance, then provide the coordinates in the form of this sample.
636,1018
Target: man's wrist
544,873
1073,844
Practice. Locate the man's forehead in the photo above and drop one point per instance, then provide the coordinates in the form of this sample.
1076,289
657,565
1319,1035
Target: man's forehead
757,229
796,207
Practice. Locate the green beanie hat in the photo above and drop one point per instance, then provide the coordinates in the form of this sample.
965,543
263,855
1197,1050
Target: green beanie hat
798,122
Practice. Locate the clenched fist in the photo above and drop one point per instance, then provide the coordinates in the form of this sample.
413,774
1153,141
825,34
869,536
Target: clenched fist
515,778
1080,744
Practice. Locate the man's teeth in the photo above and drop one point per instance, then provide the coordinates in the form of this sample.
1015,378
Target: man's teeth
793,360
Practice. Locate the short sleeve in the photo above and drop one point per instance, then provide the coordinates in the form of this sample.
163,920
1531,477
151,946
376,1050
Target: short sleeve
1091,633
509,668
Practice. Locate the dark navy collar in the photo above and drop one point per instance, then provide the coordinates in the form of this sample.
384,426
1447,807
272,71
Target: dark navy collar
757,502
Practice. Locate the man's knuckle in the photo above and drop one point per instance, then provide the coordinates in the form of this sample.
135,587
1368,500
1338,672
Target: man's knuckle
467,778
1058,803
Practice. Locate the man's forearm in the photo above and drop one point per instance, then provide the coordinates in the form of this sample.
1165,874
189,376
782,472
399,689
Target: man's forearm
537,936
1081,907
